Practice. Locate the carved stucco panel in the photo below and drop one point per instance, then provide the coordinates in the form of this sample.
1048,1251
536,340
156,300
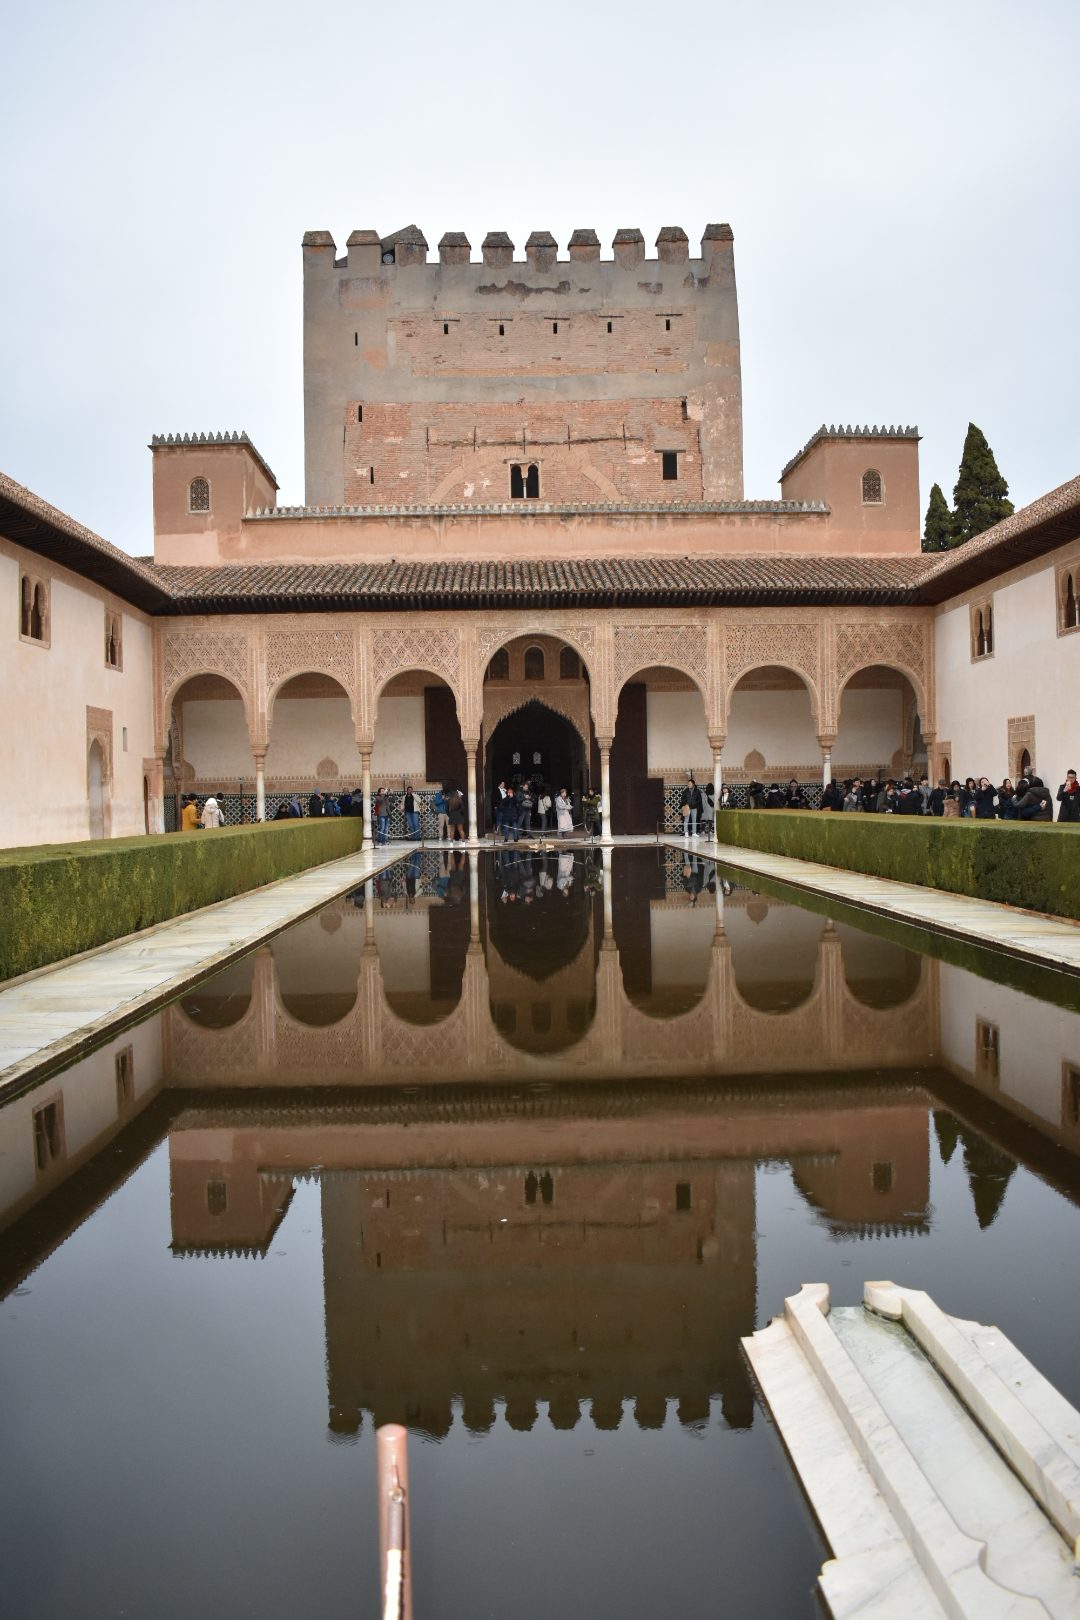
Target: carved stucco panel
679,646
757,645
198,650
396,650
306,650
902,644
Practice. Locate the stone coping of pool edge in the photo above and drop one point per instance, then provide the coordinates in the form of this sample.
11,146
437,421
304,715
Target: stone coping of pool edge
1049,941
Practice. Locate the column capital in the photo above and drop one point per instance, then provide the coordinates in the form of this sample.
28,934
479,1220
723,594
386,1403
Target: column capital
604,743
470,744
717,739
826,739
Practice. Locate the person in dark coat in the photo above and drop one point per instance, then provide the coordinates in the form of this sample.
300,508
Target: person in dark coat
936,801
315,804
1005,808
833,797
909,799
871,792
774,799
794,798
1068,796
985,797
755,792
1034,803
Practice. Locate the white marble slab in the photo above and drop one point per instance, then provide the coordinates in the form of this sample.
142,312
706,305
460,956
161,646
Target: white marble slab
944,1437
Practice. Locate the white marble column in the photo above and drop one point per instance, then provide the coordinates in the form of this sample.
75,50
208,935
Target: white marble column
605,787
825,743
157,795
471,745
474,897
260,787
365,788
609,918
717,781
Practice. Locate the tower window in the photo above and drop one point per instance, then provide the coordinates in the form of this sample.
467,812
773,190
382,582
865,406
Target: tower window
555,326
871,487
682,1195
502,330
609,327
217,1197
524,482
669,461
359,413
371,475
446,328
667,326
356,340
199,495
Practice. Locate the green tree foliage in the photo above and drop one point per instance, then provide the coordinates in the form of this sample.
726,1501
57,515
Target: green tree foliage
937,533
980,498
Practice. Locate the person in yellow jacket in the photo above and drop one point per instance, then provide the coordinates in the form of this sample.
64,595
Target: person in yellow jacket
189,816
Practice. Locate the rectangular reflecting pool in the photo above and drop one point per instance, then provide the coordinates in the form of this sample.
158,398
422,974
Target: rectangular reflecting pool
512,1149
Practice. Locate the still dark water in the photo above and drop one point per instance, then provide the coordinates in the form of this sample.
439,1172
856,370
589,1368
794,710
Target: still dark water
512,1152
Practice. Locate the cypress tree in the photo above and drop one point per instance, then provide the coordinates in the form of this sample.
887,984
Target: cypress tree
980,498
937,533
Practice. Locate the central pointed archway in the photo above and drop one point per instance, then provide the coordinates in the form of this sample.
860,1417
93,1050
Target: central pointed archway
536,719
535,741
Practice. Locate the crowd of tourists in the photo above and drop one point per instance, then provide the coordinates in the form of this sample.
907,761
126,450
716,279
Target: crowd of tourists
1027,799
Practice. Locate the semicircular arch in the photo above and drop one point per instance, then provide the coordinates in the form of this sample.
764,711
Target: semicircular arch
209,668
304,670
792,667
683,666
898,667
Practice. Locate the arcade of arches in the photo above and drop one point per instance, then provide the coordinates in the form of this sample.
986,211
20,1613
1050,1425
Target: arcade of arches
625,703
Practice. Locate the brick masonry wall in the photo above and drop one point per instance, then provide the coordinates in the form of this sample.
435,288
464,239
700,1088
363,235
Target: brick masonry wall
593,450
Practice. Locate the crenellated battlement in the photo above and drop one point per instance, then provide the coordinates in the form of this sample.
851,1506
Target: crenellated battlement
427,376
840,433
369,252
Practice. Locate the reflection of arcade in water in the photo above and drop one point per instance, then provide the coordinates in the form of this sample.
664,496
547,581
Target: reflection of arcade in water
532,964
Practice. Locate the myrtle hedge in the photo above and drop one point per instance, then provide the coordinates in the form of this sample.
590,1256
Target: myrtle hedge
1022,863
59,899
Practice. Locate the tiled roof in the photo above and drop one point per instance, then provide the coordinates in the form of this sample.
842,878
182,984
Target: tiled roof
616,581
1052,520
30,521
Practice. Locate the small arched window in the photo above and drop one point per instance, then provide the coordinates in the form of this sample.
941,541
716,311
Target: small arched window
113,643
534,664
871,487
39,613
532,483
569,665
1070,614
199,495
26,605
499,667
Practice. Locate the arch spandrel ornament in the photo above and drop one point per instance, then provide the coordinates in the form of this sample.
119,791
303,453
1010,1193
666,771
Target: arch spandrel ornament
187,652
676,646
306,651
490,637
901,645
398,650
781,645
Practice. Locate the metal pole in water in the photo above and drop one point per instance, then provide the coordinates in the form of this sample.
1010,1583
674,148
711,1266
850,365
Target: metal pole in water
392,1463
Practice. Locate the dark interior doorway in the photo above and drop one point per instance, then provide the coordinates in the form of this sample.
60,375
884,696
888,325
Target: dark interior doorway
530,731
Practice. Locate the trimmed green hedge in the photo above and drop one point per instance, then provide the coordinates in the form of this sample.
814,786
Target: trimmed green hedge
59,899
1023,863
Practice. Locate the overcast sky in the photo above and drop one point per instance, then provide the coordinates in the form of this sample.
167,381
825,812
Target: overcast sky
902,181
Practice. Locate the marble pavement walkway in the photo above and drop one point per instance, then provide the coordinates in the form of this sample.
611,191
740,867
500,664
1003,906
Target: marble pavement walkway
1051,941
53,1016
